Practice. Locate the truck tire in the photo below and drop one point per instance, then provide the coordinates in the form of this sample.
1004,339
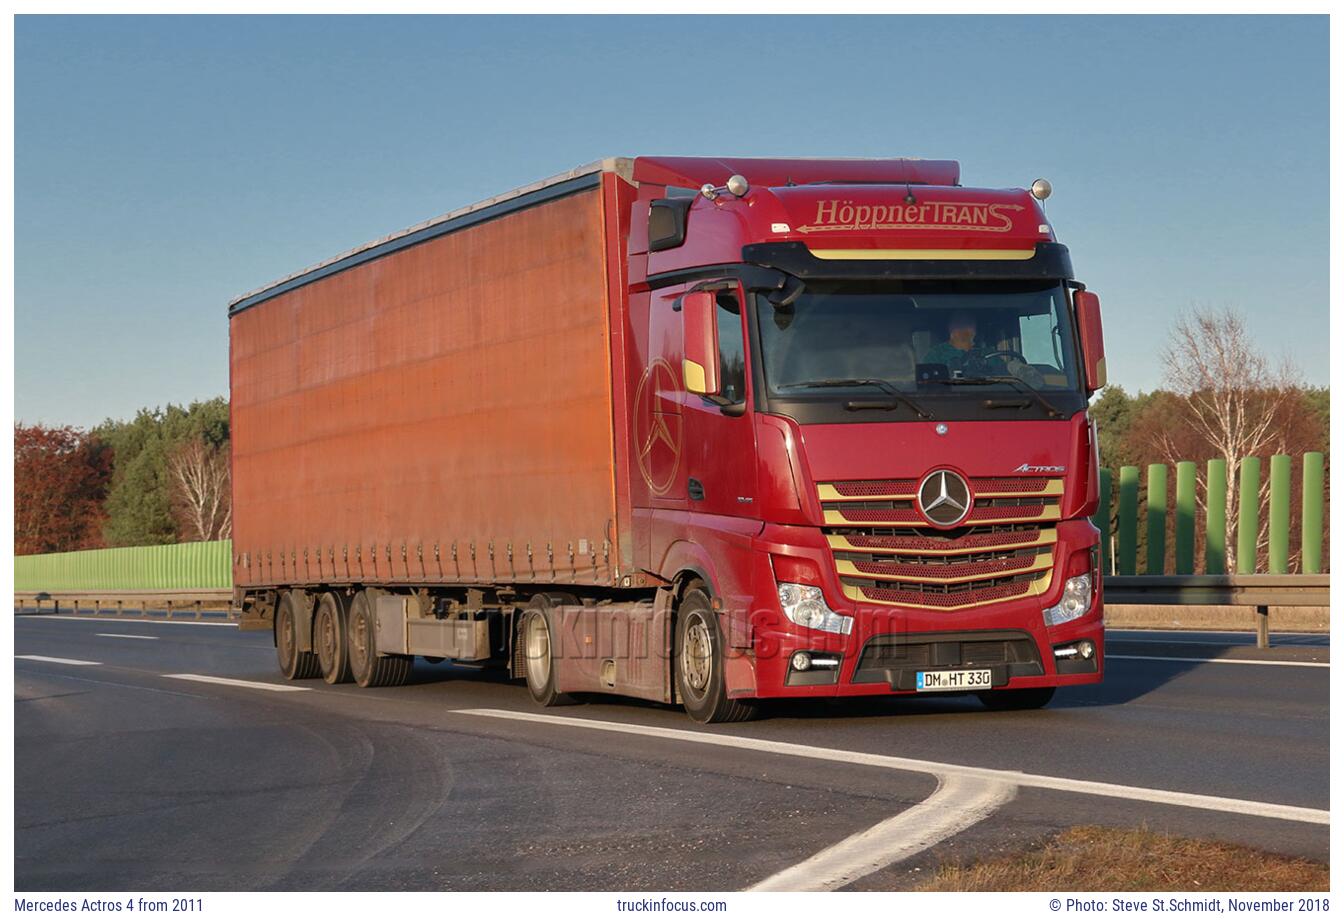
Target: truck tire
698,662
1006,700
366,666
330,638
294,664
534,633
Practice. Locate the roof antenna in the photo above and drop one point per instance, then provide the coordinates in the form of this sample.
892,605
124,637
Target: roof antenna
909,195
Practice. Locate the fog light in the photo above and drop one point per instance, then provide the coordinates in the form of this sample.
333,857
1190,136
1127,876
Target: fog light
1086,648
801,661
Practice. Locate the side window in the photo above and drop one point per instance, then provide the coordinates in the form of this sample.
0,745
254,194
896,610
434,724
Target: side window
1039,343
732,349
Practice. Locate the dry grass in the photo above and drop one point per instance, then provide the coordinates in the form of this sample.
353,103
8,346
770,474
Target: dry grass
1116,859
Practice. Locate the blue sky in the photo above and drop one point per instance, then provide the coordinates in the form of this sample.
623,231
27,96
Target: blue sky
164,165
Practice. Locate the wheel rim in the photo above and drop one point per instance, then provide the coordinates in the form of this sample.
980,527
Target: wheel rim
359,640
537,646
697,654
327,639
285,638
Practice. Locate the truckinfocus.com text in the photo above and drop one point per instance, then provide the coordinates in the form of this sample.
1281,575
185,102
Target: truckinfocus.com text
660,905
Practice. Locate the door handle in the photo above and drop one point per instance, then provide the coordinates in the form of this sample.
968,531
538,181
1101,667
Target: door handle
695,489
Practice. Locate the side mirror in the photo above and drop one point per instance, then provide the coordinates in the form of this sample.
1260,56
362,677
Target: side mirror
1088,307
700,355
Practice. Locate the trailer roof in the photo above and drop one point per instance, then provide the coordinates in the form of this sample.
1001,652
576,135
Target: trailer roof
684,171
577,179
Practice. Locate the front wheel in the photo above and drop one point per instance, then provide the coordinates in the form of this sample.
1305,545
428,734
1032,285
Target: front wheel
1005,700
698,662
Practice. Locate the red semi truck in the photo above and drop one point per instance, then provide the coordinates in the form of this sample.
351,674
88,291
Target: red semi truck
697,430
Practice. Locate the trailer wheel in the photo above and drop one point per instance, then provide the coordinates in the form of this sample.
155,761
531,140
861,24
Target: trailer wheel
539,655
698,660
368,669
330,638
1006,700
294,664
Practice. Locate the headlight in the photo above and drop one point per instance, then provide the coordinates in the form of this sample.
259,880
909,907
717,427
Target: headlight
1073,603
804,605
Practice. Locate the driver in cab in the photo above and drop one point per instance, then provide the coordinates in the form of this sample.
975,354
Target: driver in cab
964,358
960,354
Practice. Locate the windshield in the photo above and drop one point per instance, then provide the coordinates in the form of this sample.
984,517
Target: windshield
922,339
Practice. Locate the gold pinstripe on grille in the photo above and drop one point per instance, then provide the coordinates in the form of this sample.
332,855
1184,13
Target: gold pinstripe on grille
841,542
1031,588
835,517
1035,564
827,492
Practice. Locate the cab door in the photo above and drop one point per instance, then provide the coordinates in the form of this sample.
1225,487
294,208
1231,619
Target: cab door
720,443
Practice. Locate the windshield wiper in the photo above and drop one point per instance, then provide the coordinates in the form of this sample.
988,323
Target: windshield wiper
883,385
1020,385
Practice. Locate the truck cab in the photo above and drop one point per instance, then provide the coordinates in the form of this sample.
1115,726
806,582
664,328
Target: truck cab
859,398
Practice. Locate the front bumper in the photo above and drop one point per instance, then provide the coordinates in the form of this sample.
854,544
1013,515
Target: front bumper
889,645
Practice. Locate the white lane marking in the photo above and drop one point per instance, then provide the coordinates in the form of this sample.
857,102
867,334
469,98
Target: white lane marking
1031,780
125,636
1282,664
42,617
959,802
232,682
57,660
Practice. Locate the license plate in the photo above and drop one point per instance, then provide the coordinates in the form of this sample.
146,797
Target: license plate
953,680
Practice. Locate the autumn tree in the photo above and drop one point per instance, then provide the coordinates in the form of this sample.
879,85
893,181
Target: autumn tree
60,479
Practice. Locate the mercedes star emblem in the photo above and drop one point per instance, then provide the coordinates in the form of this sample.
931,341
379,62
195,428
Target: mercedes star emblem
944,498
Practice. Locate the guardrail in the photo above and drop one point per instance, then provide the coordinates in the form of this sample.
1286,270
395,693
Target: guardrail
197,602
1258,591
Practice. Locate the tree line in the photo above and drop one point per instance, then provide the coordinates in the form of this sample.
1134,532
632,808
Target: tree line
161,477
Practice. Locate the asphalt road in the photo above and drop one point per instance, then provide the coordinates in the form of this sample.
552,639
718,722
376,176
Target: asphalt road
127,778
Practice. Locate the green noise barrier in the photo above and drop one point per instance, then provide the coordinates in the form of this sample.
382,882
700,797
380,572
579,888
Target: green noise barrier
178,566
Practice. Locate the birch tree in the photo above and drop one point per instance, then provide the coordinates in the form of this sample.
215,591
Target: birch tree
1231,396
199,476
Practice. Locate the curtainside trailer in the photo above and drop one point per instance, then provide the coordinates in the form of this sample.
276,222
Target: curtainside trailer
697,430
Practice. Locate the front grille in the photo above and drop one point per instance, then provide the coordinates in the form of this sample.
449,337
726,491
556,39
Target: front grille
886,553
